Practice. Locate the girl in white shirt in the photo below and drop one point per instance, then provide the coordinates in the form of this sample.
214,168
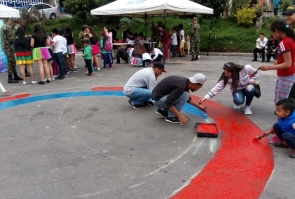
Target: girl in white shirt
240,79
174,42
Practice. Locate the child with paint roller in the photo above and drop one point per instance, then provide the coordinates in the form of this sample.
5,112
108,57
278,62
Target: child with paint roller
3,89
285,128
241,79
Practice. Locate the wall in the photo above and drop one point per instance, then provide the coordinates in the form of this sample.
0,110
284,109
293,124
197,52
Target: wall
20,3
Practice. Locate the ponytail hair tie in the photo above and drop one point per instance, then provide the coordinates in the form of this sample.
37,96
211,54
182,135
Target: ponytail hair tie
287,26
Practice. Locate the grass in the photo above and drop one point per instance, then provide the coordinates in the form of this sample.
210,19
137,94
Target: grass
226,35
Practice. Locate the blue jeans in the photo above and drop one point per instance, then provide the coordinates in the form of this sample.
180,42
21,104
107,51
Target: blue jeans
178,104
61,64
288,137
107,59
140,95
239,95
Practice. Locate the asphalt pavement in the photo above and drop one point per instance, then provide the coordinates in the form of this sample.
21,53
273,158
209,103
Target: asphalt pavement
66,142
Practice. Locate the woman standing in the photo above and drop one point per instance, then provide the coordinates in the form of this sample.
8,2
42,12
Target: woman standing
40,52
241,79
71,49
23,54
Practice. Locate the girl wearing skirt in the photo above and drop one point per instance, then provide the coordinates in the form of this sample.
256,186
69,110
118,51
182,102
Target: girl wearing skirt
50,60
284,64
24,54
71,49
93,38
40,52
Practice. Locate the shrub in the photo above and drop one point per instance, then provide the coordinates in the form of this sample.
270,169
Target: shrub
245,16
33,16
285,5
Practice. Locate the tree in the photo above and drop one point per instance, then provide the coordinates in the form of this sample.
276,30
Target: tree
217,5
238,5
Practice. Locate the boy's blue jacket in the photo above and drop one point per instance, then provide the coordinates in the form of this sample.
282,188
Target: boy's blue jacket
287,124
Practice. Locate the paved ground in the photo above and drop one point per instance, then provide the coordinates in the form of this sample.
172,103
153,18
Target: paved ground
97,146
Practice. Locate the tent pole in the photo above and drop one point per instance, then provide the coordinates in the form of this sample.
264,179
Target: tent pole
209,35
164,59
145,21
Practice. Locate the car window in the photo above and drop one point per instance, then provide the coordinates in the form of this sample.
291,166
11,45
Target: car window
38,6
45,6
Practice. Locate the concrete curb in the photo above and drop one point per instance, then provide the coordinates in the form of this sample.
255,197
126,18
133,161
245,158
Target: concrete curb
215,54
227,54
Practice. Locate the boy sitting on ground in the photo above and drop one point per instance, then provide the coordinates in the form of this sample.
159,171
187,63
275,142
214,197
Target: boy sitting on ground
285,128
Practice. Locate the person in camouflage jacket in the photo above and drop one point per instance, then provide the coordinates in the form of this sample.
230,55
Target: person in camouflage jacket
195,39
7,36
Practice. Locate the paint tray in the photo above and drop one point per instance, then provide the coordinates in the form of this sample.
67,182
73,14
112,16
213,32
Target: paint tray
206,130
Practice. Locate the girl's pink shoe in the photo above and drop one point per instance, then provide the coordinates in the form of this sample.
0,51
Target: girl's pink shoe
275,139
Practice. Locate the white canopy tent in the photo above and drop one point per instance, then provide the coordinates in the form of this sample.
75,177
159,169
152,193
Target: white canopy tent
141,8
145,8
8,12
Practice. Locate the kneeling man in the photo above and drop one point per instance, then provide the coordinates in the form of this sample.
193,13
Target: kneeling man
172,93
140,85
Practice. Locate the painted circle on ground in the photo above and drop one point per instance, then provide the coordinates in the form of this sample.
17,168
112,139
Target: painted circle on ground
238,163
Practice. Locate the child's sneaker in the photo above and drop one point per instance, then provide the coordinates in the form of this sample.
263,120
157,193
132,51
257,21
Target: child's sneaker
24,82
236,107
248,110
292,153
275,139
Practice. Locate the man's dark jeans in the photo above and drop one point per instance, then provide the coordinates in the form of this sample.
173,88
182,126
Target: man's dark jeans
288,137
60,62
257,50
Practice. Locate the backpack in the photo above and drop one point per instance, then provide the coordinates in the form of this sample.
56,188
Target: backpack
107,45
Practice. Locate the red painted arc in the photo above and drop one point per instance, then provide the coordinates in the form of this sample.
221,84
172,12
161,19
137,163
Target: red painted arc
241,168
14,97
107,88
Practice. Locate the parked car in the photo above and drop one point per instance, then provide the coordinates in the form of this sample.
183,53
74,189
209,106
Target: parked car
50,11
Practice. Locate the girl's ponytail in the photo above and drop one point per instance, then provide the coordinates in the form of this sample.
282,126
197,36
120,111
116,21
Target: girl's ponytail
290,32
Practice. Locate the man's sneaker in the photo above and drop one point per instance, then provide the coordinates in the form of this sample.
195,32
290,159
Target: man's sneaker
248,110
173,120
236,106
133,105
148,103
292,153
275,139
162,113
